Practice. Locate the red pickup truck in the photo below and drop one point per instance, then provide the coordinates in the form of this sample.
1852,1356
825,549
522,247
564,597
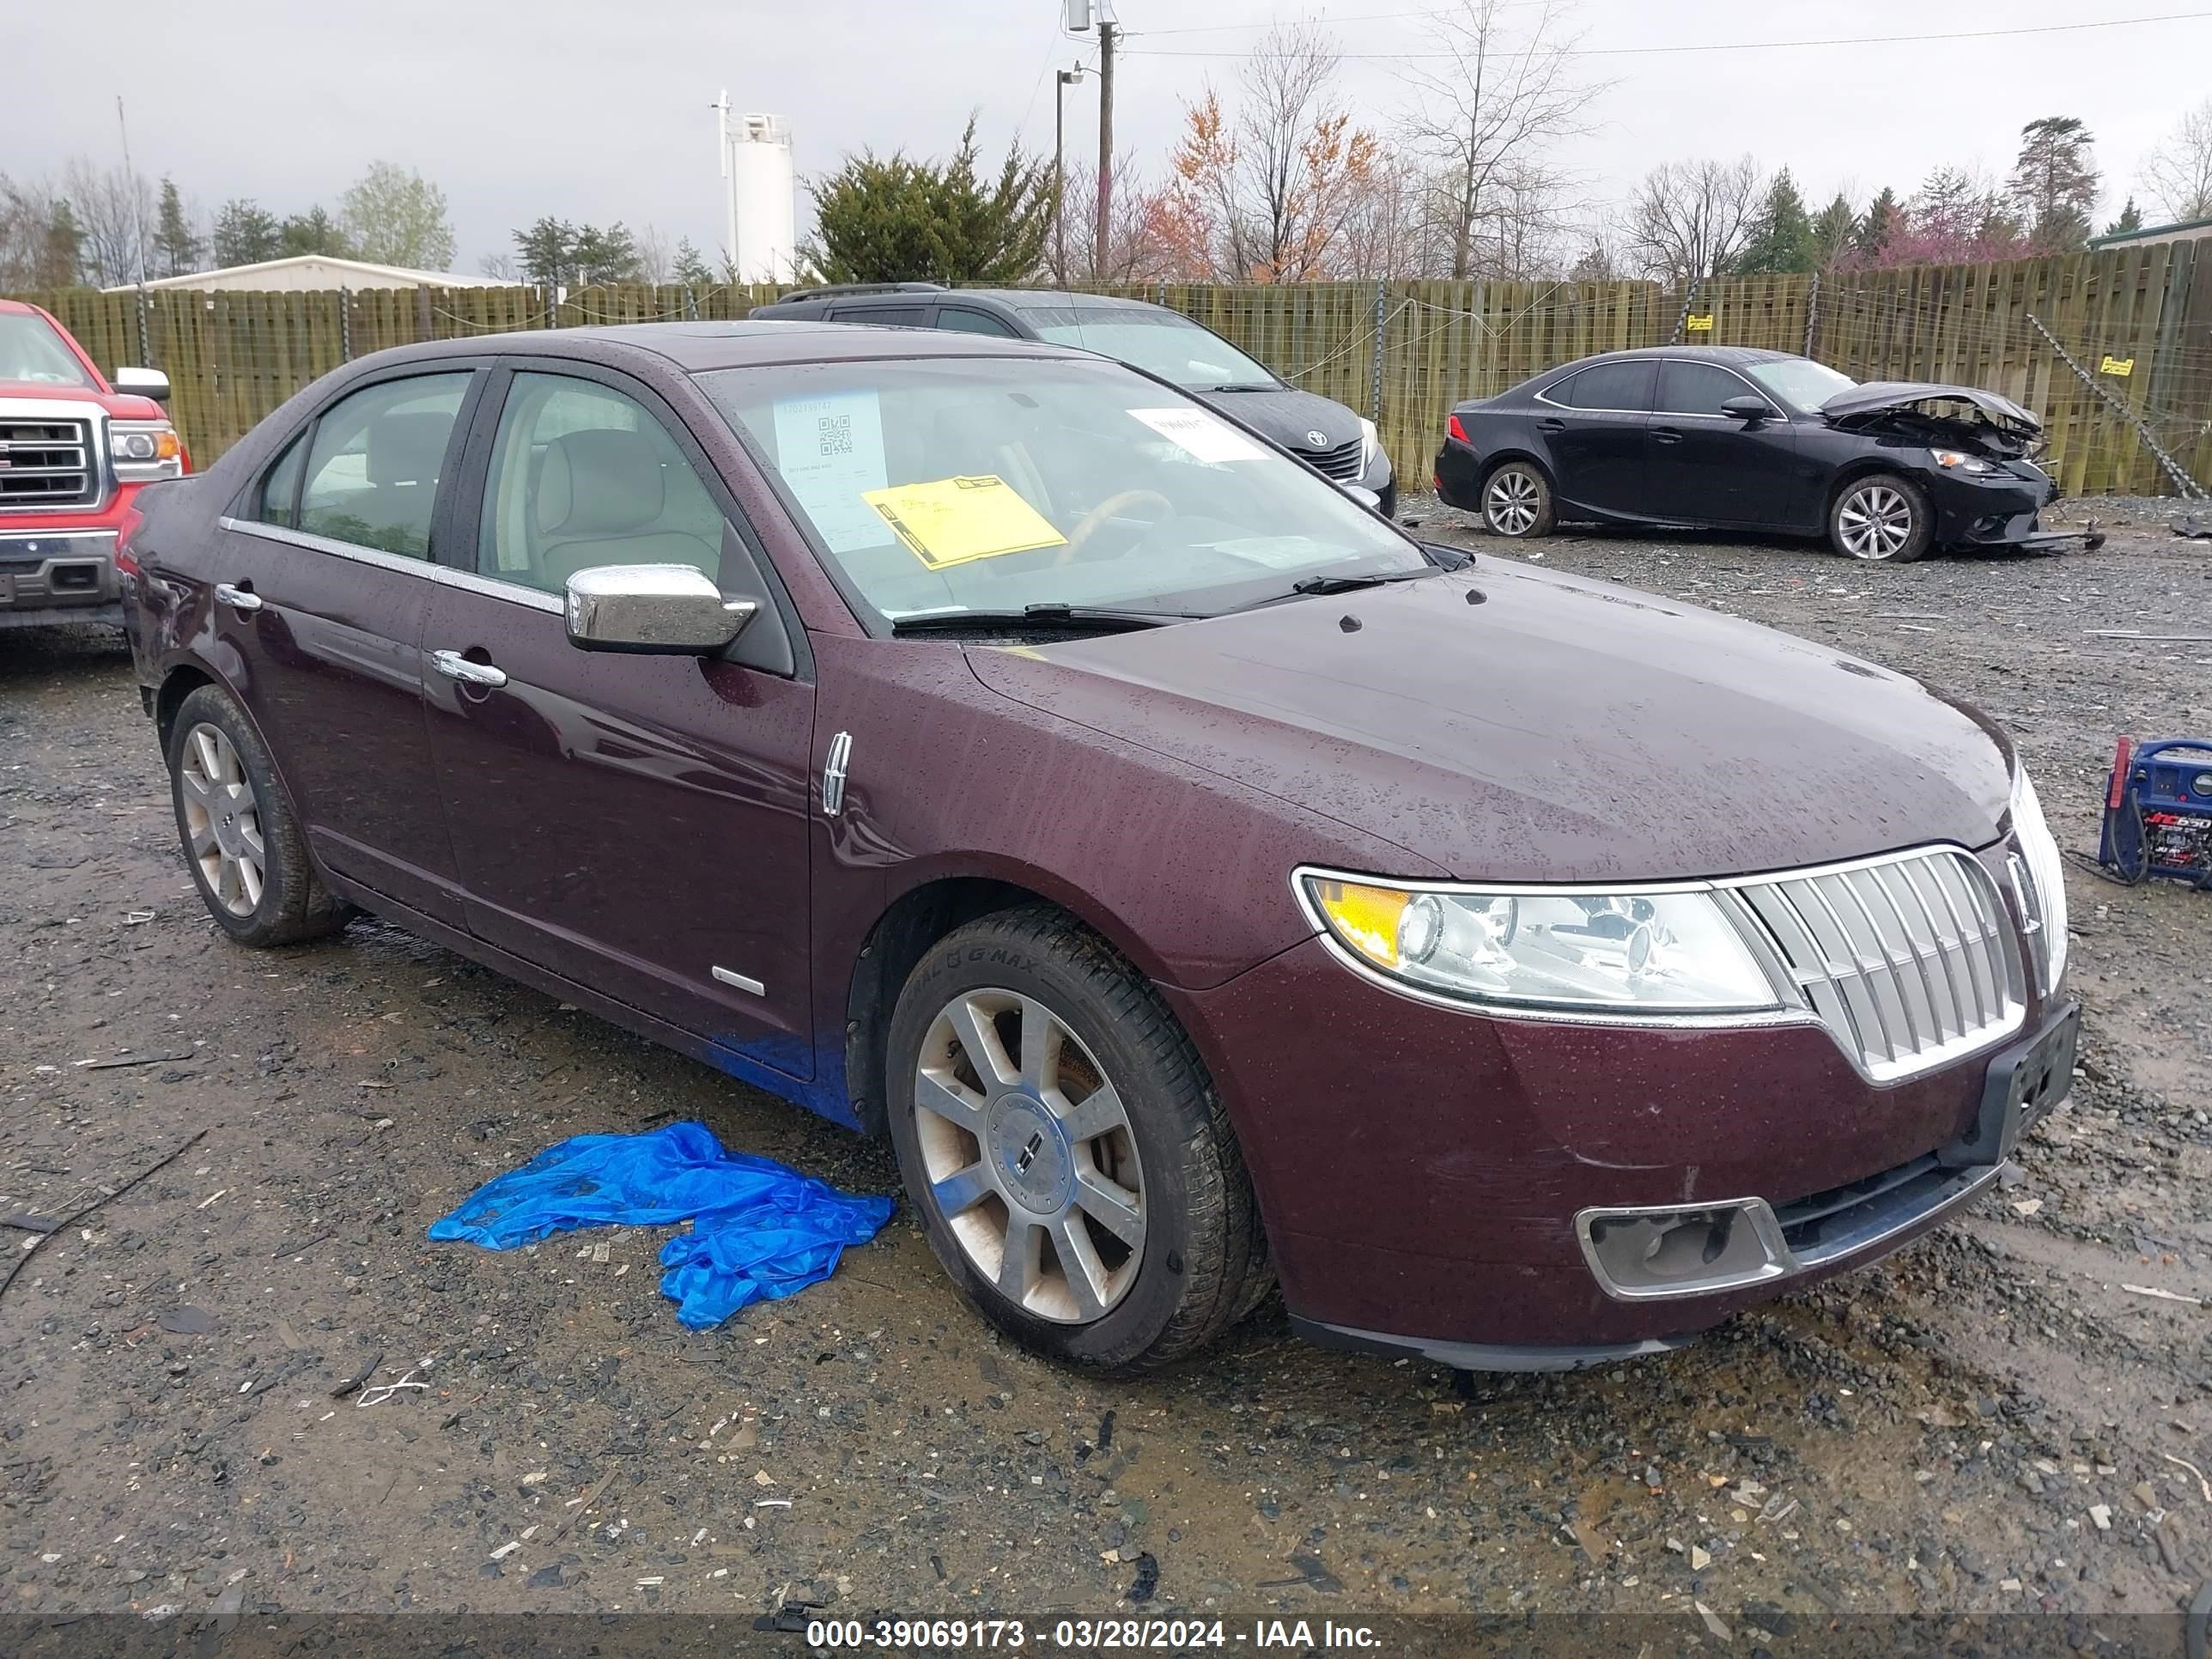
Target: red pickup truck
74,447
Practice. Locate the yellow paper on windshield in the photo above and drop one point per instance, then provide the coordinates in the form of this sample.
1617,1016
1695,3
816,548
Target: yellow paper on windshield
954,520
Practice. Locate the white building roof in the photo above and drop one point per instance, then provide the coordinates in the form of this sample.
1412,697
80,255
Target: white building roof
316,270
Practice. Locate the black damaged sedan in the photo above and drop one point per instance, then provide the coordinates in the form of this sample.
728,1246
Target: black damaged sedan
1729,438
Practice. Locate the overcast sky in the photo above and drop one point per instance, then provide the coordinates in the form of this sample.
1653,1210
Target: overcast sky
595,111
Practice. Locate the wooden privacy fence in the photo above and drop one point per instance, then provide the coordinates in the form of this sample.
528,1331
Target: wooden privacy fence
2138,321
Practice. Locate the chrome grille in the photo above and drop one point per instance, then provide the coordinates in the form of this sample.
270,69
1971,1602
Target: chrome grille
47,463
1341,463
1911,961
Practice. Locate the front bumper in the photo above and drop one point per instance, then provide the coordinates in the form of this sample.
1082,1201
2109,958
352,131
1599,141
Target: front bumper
61,575
1999,509
1429,1175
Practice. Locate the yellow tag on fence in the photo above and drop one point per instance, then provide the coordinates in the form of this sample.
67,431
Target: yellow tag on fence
2122,367
953,521
1698,325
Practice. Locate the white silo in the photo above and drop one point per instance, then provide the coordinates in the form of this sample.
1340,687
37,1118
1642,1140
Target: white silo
762,231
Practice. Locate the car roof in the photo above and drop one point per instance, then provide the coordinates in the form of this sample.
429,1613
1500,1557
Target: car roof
1696,354
700,347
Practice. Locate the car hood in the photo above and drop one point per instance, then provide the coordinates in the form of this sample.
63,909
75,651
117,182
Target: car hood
1881,396
1557,730
1288,415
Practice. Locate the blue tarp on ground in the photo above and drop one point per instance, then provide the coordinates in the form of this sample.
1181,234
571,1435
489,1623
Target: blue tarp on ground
759,1229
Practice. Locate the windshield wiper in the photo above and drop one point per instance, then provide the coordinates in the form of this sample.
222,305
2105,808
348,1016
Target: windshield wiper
1047,616
1350,584
1242,385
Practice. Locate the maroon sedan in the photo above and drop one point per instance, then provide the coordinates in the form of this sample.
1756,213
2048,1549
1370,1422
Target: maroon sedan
1203,885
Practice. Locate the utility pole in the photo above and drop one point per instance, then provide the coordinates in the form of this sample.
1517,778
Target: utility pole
1068,77
131,182
1106,34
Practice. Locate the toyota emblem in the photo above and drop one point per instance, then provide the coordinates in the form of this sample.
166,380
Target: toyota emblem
1318,439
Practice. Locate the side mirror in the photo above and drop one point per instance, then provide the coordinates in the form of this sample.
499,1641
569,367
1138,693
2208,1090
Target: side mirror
143,383
667,609
1748,409
1361,494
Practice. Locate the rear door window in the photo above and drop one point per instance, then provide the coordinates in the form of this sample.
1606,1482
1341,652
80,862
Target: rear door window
1698,388
1625,386
375,462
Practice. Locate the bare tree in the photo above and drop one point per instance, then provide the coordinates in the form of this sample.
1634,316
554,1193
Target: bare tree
1395,229
2178,172
1509,91
40,242
1688,219
1137,248
1265,197
1527,223
115,212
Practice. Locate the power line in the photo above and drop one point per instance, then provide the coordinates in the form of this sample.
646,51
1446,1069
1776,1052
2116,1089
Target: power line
1725,46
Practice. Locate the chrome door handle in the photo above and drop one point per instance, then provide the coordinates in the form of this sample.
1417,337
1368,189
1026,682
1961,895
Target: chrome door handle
238,598
455,666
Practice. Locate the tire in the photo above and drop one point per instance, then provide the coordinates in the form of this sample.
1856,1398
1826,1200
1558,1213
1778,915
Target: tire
1124,1104
240,840
1516,501
1881,519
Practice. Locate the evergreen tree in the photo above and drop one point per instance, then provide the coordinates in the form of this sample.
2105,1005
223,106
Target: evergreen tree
315,231
245,234
1877,226
2130,219
1831,232
62,260
691,266
608,255
174,237
2054,183
547,252
893,219
1782,233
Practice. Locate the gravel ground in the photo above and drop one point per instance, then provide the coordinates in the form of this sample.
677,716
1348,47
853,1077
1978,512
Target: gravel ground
1988,1421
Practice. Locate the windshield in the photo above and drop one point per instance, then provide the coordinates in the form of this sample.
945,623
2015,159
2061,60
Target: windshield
935,485
31,352
1158,341
1800,382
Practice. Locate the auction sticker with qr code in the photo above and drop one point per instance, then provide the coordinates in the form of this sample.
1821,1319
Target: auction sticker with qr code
830,452
952,521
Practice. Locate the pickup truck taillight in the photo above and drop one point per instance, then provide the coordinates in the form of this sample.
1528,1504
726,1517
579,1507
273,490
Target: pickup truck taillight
144,452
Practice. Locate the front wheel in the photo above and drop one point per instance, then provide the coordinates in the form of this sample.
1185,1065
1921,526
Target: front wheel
1065,1148
1517,501
1882,520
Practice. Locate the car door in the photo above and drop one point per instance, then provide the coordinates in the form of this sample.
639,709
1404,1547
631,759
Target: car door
635,824
327,573
1592,427
1710,466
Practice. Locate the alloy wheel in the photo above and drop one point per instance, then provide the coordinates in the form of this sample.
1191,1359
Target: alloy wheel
1029,1155
222,821
1874,522
1510,502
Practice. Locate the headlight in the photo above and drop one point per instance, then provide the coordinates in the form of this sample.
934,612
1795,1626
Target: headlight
1630,953
1963,462
142,451
1371,445
2047,872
